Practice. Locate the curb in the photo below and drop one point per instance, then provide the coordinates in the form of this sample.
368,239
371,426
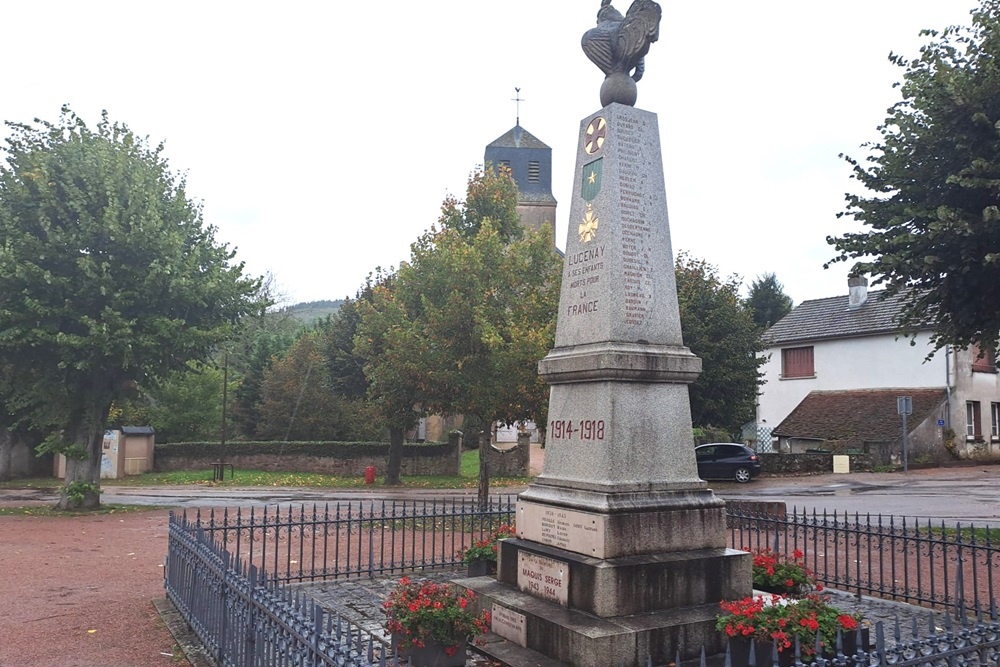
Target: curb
185,637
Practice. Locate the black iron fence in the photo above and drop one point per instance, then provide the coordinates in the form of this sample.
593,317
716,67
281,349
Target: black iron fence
228,572
355,539
913,561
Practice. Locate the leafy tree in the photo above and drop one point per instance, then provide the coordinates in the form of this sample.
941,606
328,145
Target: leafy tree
463,324
767,300
490,195
345,366
108,276
932,212
488,302
257,342
296,400
718,327
390,345
185,406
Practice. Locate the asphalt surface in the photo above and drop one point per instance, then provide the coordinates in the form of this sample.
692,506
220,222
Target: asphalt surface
964,494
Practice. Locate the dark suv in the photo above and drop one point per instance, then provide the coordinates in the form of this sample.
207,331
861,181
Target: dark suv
727,460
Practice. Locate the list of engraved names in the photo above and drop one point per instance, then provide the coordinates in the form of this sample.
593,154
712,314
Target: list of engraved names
635,229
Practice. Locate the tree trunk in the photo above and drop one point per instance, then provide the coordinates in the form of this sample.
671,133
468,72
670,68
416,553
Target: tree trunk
484,468
6,449
392,474
82,488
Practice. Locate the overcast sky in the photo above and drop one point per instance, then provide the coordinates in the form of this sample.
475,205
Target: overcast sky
322,137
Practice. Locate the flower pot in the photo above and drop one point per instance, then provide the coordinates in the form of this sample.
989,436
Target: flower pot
849,641
482,568
432,654
739,651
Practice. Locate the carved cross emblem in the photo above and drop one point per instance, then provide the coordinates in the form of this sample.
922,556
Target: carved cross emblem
595,135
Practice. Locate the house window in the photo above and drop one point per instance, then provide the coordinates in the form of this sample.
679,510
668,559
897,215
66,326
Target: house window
797,362
995,418
973,423
987,363
534,172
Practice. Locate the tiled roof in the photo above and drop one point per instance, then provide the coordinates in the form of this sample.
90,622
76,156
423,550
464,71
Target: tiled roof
831,318
517,137
857,416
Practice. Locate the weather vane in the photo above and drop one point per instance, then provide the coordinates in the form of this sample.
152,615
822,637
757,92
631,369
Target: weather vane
517,99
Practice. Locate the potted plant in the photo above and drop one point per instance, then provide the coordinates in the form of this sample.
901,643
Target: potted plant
431,623
481,557
777,573
774,623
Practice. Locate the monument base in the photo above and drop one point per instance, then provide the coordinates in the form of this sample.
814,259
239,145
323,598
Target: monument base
596,612
604,525
583,640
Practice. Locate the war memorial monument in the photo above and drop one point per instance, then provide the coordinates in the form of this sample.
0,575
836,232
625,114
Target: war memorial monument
620,555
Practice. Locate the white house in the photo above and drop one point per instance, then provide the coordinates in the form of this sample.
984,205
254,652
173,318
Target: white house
852,343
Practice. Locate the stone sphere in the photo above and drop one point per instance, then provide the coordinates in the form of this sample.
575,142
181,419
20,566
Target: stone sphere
619,87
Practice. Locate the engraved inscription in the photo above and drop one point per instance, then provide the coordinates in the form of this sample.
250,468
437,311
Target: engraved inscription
544,577
583,271
579,532
636,233
509,624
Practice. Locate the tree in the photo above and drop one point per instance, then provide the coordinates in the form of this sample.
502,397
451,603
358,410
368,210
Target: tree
108,277
718,327
390,345
463,324
296,400
932,211
185,406
767,300
488,302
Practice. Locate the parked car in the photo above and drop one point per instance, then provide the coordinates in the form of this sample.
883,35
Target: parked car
727,460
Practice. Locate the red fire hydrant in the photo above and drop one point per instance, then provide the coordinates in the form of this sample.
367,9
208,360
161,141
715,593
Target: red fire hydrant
370,475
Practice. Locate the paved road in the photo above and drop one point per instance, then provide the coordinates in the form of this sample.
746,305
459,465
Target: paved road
968,494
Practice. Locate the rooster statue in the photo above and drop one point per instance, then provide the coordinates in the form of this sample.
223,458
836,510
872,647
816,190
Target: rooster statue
618,46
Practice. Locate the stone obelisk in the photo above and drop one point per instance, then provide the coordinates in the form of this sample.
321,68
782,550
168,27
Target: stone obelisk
620,555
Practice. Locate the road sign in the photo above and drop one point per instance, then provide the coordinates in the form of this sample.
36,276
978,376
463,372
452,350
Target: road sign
904,405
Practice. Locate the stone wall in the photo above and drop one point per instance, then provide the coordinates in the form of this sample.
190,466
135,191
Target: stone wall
510,461
805,464
341,459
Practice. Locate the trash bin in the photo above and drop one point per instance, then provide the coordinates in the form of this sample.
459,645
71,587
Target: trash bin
370,475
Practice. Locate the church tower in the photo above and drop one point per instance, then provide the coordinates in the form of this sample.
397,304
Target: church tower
530,163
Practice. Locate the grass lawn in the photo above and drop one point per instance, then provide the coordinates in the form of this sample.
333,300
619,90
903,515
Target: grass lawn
468,478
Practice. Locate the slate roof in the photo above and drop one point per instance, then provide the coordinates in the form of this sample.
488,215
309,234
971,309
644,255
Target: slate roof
831,318
857,416
517,137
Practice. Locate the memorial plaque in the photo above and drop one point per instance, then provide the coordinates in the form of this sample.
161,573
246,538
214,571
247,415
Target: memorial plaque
543,577
579,532
509,624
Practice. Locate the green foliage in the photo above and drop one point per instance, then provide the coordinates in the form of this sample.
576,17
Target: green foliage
344,365
490,195
108,276
297,400
76,492
718,327
186,405
257,341
768,301
932,210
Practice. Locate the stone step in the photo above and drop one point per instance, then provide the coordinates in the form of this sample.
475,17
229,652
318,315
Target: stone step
506,653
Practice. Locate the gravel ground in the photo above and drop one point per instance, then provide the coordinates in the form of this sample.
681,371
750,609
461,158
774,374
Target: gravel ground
78,591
